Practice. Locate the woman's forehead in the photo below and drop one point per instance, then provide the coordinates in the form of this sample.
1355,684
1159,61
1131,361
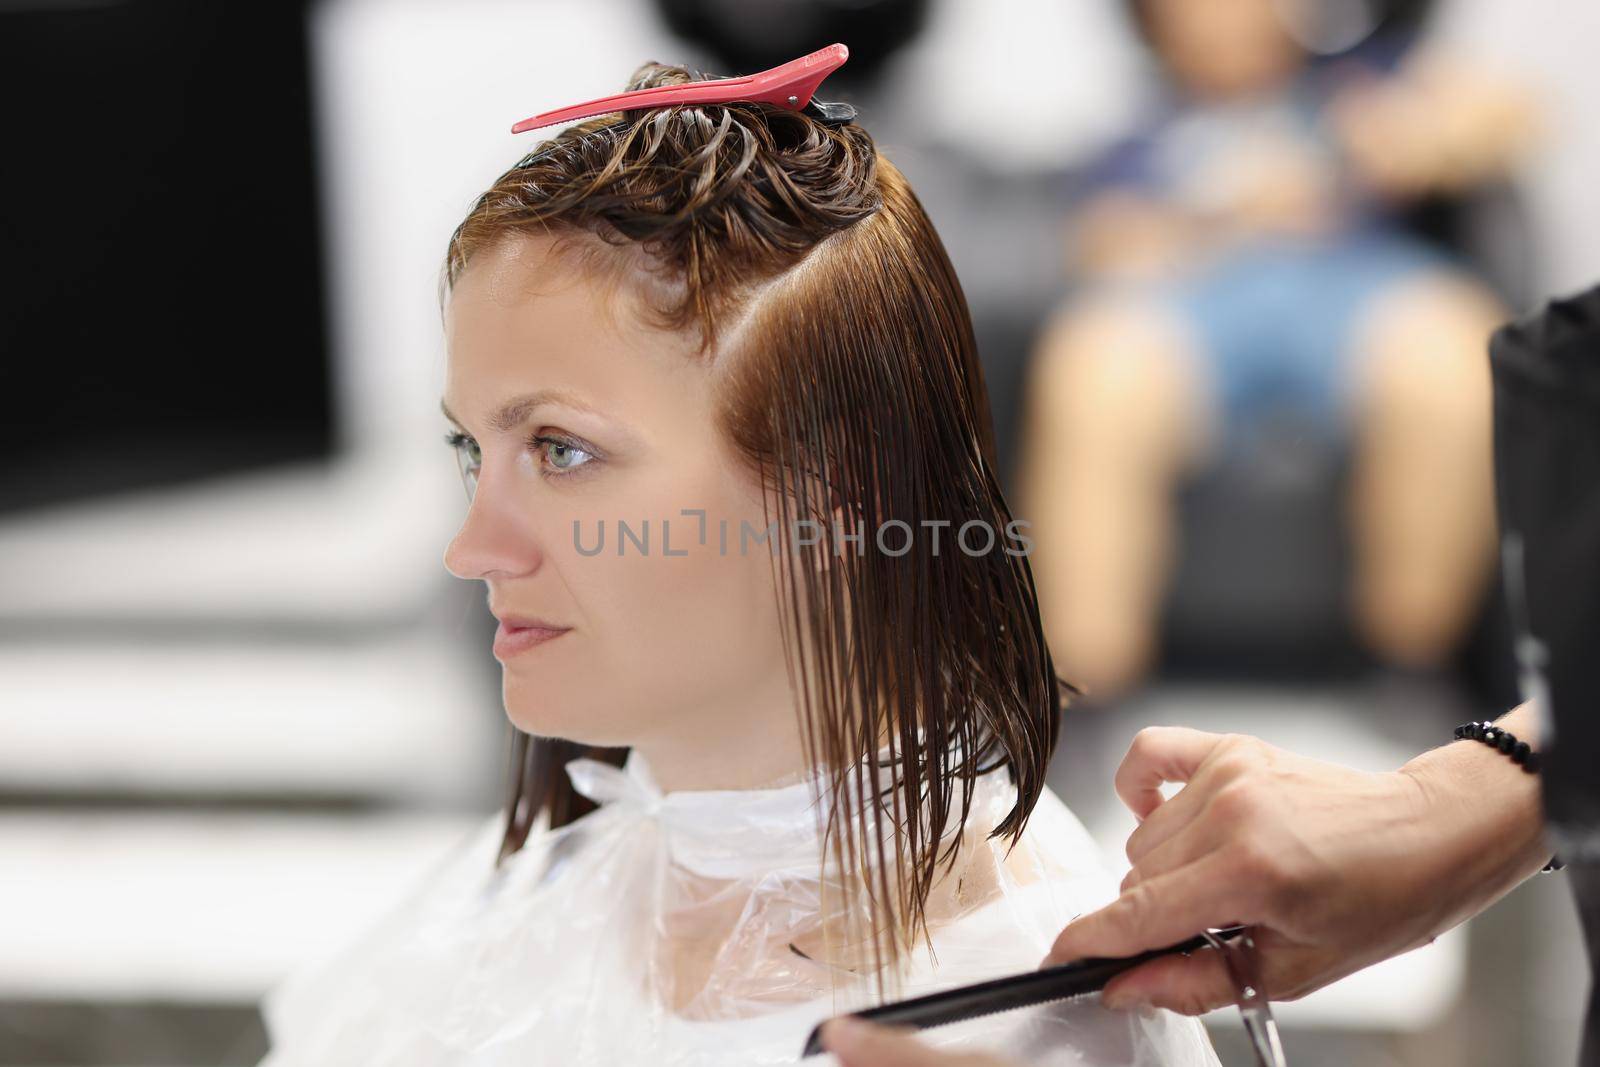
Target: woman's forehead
525,319
567,282
515,272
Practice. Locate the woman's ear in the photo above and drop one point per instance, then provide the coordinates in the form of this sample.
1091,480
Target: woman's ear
819,527
833,502
846,528
830,544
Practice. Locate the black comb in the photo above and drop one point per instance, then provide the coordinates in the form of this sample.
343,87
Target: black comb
1062,982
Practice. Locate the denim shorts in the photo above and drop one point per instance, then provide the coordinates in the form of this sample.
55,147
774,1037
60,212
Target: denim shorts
1275,322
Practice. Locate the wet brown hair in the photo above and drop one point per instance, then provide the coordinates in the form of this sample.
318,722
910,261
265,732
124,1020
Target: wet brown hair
848,375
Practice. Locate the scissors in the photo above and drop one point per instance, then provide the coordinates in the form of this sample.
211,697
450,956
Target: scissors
1239,954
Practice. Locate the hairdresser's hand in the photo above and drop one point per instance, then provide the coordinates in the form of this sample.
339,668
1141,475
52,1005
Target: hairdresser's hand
859,1043
1336,868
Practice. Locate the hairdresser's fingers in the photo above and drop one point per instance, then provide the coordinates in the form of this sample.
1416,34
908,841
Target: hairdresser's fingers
1157,755
1173,818
1162,911
859,1043
1189,985
1232,759
1201,836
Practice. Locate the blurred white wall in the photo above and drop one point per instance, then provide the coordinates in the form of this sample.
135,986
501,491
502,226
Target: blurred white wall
1550,46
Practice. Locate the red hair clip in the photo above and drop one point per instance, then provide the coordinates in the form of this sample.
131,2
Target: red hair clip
788,85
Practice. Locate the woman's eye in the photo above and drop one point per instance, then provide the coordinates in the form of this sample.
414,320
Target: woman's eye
469,457
563,455
560,456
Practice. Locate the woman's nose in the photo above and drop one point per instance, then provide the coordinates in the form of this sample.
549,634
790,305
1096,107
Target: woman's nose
496,539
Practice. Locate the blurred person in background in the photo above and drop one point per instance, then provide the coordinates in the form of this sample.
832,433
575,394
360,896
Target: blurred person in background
1236,257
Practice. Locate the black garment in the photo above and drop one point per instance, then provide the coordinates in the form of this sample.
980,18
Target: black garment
1547,471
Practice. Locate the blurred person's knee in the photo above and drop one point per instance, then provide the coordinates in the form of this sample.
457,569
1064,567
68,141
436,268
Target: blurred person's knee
1424,495
1117,412
1422,347
1124,371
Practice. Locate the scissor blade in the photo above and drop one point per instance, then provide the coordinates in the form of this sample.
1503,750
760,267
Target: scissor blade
1263,1031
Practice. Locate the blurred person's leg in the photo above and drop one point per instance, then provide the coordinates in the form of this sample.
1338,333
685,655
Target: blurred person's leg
1115,414
1422,505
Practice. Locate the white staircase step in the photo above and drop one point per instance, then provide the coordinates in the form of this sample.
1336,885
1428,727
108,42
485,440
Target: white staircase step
349,540
197,907
413,714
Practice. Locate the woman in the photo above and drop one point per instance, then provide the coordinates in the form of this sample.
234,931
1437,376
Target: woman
727,448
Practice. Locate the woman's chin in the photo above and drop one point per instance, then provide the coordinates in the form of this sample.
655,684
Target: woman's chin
568,721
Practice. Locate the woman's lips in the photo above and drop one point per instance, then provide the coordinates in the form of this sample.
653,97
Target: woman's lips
511,640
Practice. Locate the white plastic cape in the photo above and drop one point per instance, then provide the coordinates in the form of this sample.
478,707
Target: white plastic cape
656,931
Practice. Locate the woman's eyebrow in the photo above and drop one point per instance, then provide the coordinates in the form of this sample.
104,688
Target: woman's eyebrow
512,413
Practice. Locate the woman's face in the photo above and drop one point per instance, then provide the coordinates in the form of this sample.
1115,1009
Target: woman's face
578,415
1222,47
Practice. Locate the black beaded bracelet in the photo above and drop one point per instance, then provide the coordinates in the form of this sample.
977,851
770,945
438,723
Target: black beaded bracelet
1504,740
1519,751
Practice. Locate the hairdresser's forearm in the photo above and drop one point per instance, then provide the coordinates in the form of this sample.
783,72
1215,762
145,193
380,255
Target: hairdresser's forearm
1490,816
